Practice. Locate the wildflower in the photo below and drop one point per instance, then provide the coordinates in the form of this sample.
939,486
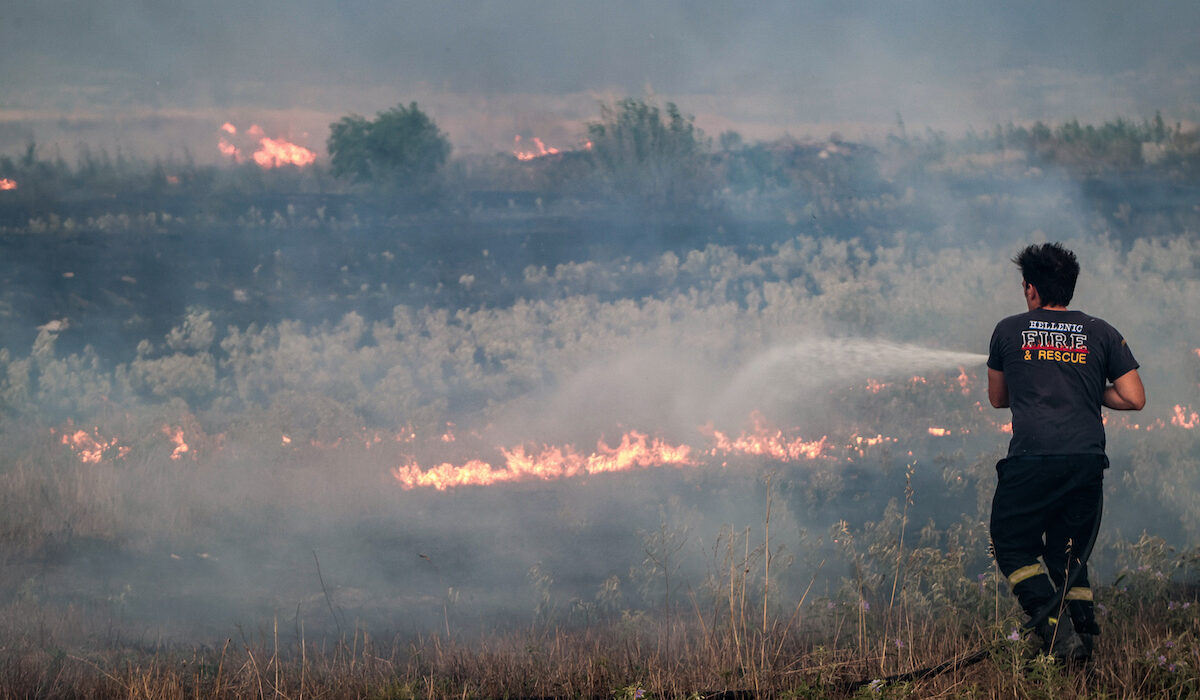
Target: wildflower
899,643
866,605
1171,605
876,686
1170,644
639,694
1015,635
1162,660
1171,668
1101,608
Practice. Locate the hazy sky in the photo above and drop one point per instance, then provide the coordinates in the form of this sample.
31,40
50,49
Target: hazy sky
147,75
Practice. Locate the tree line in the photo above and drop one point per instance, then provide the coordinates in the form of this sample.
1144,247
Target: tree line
639,153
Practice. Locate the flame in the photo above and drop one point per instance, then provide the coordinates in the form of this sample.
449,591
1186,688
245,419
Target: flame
271,153
872,441
530,155
939,432
964,381
875,386
635,450
764,442
1185,417
7,184
175,435
91,448
230,150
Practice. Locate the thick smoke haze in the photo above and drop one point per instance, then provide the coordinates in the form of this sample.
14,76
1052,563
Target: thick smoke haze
212,391
160,79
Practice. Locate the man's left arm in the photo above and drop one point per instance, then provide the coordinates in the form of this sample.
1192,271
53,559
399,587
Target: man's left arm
997,388
1126,393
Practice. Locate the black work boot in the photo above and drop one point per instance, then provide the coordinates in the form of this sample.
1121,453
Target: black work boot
1058,639
1087,629
1087,644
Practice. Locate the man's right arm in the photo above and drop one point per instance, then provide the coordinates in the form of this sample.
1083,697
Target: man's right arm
1126,393
997,389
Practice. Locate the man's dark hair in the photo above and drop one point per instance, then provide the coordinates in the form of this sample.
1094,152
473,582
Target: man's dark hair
1052,270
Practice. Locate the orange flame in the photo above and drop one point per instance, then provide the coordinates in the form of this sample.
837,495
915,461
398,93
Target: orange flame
273,153
875,386
91,448
765,442
529,154
635,450
964,381
175,435
939,432
7,184
230,150
1184,419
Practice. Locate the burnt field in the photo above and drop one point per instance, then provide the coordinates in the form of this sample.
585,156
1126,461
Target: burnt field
542,442
146,280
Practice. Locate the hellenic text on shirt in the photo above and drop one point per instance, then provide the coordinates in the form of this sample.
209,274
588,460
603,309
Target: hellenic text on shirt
1055,342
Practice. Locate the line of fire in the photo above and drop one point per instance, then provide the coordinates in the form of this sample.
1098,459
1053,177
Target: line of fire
632,451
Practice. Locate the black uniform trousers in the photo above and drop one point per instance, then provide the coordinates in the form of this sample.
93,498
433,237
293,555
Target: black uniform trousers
1047,506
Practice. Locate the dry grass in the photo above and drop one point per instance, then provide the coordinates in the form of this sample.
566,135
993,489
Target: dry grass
740,632
1146,651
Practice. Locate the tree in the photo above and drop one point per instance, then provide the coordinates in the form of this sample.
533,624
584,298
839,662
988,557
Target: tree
644,154
401,146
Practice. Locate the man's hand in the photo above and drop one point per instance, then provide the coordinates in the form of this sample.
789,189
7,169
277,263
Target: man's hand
997,389
1126,393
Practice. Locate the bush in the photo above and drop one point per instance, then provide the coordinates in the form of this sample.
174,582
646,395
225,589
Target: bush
647,156
401,147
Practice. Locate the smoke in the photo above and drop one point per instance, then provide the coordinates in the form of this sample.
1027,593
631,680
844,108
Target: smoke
235,529
487,72
304,354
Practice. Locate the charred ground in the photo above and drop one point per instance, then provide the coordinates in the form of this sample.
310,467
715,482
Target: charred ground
278,319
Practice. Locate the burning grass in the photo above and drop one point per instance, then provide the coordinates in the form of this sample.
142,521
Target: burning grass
223,570
227,482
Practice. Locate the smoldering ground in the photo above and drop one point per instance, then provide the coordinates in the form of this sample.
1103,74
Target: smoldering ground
305,355
285,508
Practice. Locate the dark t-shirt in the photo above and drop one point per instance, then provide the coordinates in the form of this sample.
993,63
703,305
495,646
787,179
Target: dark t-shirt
1056,365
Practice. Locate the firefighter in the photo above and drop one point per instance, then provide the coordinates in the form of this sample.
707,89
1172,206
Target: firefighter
1054,368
